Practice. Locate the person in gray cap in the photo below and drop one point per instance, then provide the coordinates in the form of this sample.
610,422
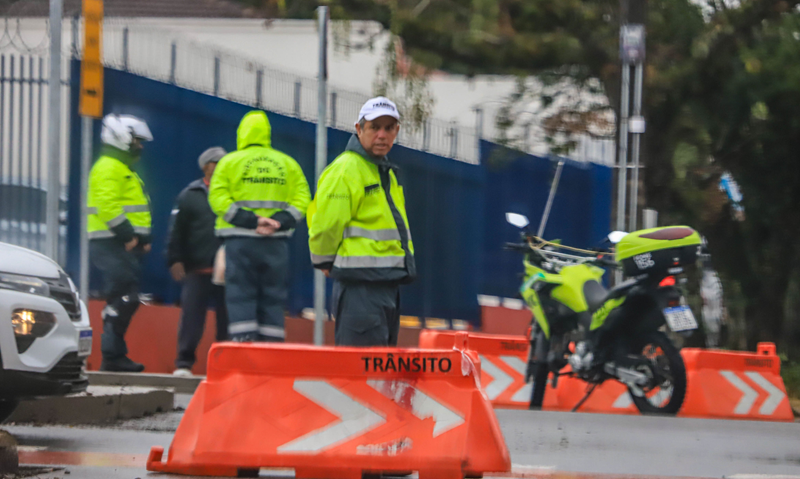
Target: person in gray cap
190,256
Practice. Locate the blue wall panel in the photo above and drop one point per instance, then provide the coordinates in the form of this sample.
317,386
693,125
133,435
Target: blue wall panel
456,210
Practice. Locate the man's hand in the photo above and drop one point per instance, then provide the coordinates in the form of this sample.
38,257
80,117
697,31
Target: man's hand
267,226
326,272
178,272
147,248
132,244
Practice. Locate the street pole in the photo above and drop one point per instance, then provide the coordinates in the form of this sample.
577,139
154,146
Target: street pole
550,199
322,161
623,146
637,135
54,132
86,164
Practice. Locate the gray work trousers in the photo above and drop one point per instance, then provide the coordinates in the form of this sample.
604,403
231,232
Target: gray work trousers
121,271
256,276
367,313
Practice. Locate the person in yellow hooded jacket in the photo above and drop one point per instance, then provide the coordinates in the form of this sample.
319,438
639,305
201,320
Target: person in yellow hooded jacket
359,233
258,194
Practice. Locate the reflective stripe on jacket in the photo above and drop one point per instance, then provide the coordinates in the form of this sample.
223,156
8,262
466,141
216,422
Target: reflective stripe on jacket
358,225
257,180
118,205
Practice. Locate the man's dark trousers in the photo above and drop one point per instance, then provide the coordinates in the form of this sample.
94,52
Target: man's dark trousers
121,272
256,276
367,313
198,292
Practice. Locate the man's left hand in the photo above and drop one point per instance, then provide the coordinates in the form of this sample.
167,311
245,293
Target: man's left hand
146,248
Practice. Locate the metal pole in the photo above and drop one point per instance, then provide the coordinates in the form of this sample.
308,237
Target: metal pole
637,111
322,161
550,198
623,155
54,131
86,164
623,146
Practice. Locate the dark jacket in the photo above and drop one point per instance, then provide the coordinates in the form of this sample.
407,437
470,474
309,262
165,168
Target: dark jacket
192,240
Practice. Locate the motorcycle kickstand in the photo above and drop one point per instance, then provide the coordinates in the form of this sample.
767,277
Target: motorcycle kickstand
588,393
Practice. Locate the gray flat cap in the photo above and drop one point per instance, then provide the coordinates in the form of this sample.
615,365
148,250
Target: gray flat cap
212,154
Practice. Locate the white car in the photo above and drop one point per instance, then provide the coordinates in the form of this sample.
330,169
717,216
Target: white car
45,335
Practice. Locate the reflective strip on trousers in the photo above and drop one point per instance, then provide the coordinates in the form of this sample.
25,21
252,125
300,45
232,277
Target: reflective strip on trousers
377,235
243,327
272,331
370,262
229,232
322,258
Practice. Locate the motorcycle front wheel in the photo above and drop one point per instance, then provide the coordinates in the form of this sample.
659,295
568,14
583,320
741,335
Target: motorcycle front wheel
667,389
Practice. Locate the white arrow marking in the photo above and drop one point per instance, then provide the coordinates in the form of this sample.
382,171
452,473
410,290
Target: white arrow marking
500,380
775,394
749,395
355,418
624,401
518,365
422,405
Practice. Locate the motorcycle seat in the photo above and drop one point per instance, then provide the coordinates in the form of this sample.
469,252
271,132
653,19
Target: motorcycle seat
596,295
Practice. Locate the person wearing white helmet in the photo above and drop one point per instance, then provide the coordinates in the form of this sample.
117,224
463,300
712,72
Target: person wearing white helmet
119,229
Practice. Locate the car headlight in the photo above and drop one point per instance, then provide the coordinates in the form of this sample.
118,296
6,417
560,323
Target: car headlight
32,323
29,325
24,284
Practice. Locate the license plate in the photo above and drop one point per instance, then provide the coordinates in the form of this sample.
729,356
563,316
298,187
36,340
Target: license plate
680,318
85,342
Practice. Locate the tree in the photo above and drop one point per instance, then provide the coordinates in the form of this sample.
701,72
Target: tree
721,94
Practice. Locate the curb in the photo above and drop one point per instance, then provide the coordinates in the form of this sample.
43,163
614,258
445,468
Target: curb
99,404
178,384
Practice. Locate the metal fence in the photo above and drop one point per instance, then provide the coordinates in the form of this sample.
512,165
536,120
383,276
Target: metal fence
24,111
166,56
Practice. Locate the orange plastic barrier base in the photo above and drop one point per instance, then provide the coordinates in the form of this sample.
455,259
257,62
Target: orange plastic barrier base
337,413
503,363
720,384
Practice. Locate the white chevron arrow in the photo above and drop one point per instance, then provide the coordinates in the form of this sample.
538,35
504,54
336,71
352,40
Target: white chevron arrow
749,395
624,400
775,394
500,379
518,365
355,418
422,405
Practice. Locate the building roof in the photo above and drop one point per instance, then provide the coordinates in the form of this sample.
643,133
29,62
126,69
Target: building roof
135,8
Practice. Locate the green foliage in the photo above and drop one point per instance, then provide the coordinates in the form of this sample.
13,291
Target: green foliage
790,371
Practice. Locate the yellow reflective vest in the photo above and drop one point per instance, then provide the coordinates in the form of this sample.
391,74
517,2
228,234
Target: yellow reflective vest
358,225
118,205
257,180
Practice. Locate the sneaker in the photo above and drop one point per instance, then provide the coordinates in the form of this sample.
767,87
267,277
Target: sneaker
183,373
121,365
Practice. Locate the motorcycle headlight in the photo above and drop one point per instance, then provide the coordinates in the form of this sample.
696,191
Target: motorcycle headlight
24,284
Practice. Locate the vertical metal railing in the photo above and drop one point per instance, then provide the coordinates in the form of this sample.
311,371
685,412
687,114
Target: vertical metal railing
23,146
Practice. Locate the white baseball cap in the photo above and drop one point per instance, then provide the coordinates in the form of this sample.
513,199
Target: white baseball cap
376,108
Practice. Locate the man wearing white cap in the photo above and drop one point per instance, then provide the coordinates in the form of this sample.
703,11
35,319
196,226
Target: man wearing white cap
359,233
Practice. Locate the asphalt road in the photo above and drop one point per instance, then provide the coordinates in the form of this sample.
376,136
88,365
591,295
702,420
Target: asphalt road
542,444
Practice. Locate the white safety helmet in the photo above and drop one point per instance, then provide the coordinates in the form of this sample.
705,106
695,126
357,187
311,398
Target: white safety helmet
120,130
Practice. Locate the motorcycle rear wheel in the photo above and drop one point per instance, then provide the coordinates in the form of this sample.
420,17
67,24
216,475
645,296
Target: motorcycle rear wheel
667,396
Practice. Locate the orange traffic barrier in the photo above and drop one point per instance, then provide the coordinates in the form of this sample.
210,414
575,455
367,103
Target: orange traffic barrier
736,385
720,384
503,363
338,413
